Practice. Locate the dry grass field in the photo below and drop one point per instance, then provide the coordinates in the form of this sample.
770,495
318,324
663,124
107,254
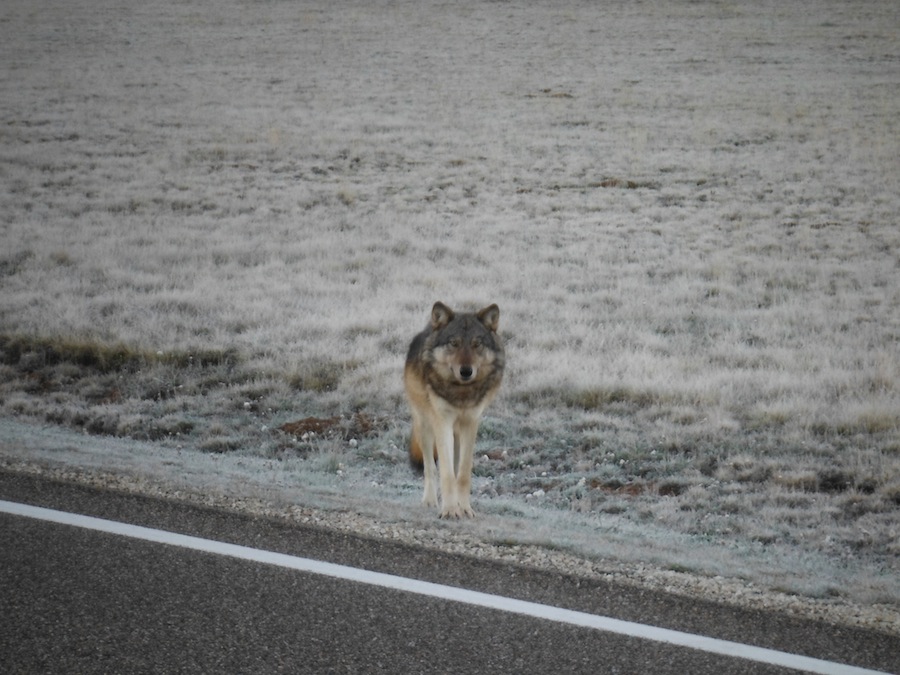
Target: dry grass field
221,217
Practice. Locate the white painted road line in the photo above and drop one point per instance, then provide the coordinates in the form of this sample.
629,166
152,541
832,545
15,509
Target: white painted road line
531,609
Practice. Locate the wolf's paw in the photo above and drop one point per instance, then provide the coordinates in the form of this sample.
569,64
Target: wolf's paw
429,495
450,513
457,512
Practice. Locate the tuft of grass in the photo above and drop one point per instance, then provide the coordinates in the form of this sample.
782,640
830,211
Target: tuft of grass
891,493
802,480
331,462
876,422
320,376
672,488
834,480
62,259
599,398
220,444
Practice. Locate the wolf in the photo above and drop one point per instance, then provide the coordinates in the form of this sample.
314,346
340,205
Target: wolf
453,371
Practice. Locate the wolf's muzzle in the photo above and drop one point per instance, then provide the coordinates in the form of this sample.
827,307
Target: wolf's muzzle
466,373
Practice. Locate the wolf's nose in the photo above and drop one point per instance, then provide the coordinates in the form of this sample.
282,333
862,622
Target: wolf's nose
465,372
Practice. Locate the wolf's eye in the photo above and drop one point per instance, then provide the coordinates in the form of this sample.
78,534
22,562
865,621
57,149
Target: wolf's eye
476,344
456,342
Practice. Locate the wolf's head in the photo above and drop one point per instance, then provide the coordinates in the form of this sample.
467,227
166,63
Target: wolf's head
465,344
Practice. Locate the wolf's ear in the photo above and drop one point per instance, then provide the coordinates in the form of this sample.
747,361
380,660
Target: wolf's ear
490,317
441,315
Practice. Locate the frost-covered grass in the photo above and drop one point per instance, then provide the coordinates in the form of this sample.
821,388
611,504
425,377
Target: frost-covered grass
686,211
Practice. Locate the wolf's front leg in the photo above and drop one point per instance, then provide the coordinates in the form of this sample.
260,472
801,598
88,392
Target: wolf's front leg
449,495
426,439
429,495
467,433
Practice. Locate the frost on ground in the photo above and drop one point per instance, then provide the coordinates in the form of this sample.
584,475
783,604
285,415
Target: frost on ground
222,217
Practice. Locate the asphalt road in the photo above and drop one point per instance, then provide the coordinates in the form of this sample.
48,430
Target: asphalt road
74,600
